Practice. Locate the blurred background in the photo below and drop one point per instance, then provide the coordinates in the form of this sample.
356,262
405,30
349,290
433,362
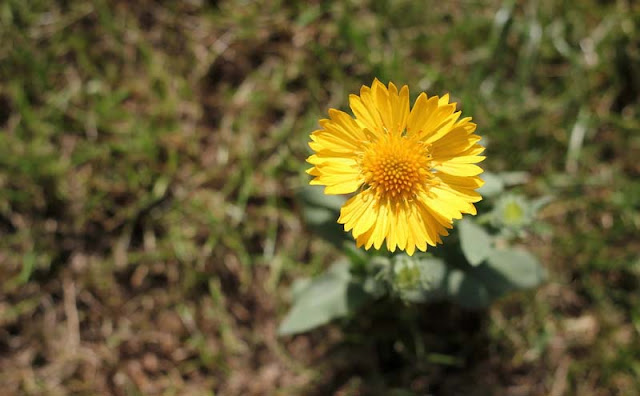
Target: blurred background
150,153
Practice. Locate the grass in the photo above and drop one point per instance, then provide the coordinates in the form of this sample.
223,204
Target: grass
149,158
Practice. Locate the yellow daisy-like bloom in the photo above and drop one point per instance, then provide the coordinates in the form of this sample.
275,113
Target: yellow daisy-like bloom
413,169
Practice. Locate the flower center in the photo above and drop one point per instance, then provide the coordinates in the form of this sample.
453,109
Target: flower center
397,167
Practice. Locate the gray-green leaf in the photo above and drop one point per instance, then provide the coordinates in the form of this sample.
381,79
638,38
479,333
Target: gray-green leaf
325,298
466,290
493,185
476,243
441,281
321,214
510,269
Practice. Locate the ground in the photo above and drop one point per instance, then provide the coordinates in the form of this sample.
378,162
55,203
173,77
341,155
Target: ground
150,153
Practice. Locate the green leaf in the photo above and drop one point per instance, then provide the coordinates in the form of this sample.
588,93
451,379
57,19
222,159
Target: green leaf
510,269
298,287
466,290
475,287
341,268
321,214
325,298
374,286
315,196
433,273
514,178
443,282
539,203
476,243
493,185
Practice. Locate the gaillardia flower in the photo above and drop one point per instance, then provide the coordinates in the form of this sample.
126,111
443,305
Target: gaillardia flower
413,169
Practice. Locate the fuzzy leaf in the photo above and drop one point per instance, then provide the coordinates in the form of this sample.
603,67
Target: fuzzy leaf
443,282
467,290
510,269
325,298
321,214
476,243
493,185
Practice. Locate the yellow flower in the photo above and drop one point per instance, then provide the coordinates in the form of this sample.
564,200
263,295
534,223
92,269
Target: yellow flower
413,169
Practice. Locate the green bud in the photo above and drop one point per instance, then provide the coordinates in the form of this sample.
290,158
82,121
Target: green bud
512,211
406,274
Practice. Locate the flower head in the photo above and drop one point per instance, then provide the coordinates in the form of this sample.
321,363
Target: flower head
413,169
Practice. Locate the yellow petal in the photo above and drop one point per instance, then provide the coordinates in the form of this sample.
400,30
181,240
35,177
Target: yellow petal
345,124
467,159
416,235
433,224
423,109
384,102
380,229
400,226
462,186
458,141
453,201
342,187
441,123
365,110
358,213
401,108
459,169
